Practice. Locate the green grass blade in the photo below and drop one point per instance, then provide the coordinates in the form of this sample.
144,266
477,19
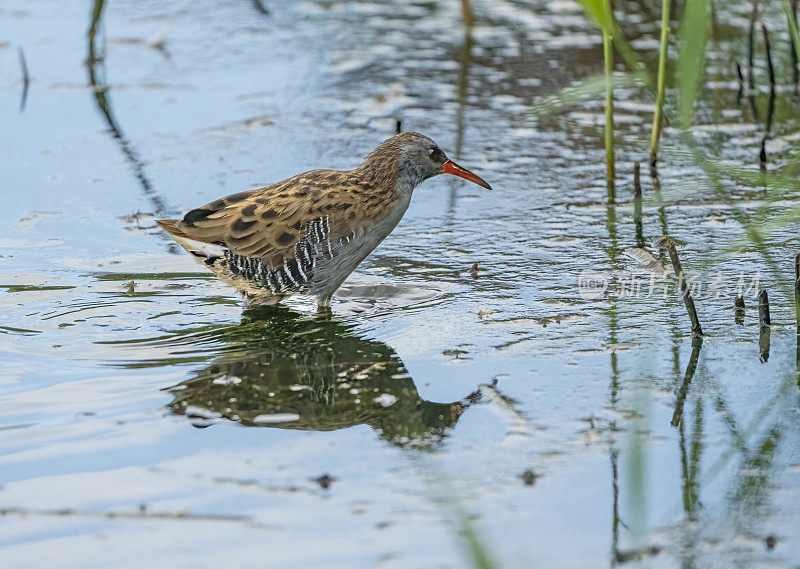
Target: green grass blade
608,59
594,9
658,114
792,27
691,57
477,552
577,93
605,22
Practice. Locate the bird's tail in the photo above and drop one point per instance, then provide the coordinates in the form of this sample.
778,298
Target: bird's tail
171,227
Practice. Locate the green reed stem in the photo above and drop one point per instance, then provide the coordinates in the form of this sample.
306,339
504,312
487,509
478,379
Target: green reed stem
469,15
791,17
658,114
608,57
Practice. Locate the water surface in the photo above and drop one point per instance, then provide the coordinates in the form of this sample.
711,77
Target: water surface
146,419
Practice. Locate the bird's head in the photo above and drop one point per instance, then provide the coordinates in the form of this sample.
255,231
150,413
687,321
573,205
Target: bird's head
414,158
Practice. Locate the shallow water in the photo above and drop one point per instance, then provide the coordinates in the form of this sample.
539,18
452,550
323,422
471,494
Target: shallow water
147,420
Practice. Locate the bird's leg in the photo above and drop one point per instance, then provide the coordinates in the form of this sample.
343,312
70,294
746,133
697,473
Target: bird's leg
324,305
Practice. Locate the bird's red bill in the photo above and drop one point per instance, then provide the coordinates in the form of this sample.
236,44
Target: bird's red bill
451,167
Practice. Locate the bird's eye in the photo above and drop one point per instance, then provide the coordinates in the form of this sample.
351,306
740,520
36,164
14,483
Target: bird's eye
435,153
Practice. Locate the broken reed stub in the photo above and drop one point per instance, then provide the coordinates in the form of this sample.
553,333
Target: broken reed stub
797,304
741,84
637,180
797,295
738,309
764,324
763,309
677,416
23,65
669,244
763,344
768,49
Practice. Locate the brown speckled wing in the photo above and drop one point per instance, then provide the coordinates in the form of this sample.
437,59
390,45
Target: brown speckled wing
272,223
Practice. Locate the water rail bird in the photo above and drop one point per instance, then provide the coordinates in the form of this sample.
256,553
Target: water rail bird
306,234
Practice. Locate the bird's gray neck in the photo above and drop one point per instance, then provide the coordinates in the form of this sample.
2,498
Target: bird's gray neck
408,178
406,185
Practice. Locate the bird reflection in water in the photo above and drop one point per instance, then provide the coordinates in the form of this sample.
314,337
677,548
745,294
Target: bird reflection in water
289,371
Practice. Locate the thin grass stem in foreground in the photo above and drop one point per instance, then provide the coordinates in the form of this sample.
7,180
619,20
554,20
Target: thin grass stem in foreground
658,114
608,58
469,15
791,16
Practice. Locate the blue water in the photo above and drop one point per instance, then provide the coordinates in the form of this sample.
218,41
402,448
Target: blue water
147,420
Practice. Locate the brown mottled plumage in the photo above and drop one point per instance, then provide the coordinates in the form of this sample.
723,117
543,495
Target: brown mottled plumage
306,234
